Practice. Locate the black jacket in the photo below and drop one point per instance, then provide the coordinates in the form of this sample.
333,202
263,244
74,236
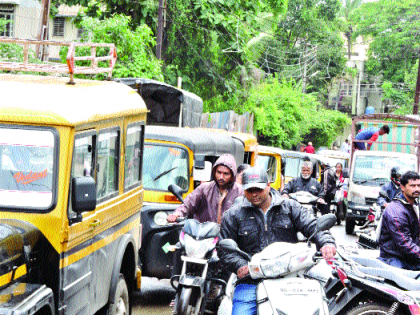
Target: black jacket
246,225
300,184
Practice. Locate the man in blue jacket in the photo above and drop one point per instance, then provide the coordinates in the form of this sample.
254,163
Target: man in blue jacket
399,242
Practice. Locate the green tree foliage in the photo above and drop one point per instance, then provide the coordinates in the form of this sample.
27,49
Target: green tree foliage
134,47
284,116
392,29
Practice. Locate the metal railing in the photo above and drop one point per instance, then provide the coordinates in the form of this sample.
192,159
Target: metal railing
68,68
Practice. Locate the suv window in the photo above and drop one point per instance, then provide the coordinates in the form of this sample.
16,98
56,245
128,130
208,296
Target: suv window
28,159
107,163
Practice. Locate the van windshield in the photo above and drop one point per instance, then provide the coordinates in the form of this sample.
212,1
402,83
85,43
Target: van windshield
375,170
165,165
27,168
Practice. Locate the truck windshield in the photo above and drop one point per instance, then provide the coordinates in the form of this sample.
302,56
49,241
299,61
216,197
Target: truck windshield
27,168
375,170
165,165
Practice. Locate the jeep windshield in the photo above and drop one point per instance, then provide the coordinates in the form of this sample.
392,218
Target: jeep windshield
27,162
164,165
375,170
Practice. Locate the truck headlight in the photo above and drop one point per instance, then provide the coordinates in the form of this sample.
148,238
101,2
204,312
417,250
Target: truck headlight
357,198
160,218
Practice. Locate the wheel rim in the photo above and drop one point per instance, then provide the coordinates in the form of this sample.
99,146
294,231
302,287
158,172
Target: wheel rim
121,307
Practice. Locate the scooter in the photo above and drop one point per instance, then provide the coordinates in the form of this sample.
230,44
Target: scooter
306,199
363,285
370,231
199,287
280,267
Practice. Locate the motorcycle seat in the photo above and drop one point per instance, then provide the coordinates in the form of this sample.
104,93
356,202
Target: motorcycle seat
399,279
377,264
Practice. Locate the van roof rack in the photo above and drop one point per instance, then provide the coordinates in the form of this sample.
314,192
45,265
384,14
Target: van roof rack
70,67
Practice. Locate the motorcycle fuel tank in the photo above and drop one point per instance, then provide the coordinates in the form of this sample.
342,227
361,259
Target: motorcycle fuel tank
292,296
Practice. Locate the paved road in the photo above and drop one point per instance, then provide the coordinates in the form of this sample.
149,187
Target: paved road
157,294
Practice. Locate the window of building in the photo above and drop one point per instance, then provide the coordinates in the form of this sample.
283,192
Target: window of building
107,164
58,26
7,12
133,154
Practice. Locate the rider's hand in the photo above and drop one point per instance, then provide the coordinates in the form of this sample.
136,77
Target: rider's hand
172,218
285,196
242,272
321,201
328,251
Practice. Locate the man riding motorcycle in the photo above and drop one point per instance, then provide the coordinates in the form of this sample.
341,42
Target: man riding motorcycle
306,183
262,218
392,188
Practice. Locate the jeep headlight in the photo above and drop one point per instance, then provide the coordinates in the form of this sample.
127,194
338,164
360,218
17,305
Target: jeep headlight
160,218
357,198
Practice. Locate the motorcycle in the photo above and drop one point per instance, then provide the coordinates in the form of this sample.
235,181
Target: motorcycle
337,204
199,287
370,231
363,285
281,267
307,200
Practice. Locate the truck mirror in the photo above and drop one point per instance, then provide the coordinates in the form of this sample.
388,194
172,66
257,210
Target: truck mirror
83,195
346,173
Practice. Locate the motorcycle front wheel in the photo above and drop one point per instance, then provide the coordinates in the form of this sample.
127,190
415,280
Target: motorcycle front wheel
182,304
372,308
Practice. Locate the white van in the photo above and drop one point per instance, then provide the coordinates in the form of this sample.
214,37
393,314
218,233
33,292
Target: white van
369,171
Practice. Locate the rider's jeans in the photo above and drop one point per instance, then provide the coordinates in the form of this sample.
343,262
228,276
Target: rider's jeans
245,300
395,262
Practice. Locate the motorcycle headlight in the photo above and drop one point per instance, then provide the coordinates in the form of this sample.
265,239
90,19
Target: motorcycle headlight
160,218
275,267
198,248
357,198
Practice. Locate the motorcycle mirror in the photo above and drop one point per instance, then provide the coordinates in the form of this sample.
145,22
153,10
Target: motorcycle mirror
176,191
346,173
383,195
325,222
228,245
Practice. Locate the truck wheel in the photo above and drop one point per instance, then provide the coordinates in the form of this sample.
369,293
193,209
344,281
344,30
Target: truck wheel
121,305
350,226
372,308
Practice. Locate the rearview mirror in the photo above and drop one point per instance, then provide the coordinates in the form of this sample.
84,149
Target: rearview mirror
176,191
83,196
203,174
346,173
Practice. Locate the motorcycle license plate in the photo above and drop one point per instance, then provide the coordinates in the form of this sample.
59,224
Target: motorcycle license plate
298,288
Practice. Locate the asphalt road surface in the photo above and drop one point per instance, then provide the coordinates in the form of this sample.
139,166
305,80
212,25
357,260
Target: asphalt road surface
157,294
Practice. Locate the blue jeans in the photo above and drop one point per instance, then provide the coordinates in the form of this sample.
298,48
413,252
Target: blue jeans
395,262
245,300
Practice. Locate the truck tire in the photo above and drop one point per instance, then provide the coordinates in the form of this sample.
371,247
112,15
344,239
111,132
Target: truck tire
350,224
372,308
121,306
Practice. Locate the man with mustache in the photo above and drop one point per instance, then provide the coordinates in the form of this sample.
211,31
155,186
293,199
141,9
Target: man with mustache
399,241
210,200
260,219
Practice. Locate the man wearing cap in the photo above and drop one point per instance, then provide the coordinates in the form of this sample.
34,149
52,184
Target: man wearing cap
262,218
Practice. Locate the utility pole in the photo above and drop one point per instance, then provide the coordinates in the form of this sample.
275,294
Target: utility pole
159,34
417,95
43,32
305,69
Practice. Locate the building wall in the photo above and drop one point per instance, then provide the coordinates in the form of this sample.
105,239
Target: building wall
70,34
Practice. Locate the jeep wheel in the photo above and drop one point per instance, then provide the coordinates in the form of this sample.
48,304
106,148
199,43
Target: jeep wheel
121,304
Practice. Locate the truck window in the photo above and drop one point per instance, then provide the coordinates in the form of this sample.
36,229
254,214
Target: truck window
133,154
107,165
27,164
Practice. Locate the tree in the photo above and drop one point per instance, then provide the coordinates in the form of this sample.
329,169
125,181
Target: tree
134,47
392,30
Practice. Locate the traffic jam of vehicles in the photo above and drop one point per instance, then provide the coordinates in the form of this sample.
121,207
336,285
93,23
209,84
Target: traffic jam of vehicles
97,197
